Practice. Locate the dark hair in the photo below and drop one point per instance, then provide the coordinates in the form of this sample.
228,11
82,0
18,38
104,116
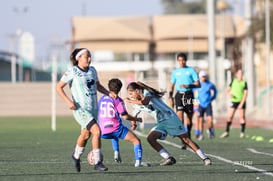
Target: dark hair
114,85
141,86
74,53
183,55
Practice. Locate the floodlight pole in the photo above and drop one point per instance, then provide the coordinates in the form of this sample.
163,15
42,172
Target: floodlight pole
267,30
54,83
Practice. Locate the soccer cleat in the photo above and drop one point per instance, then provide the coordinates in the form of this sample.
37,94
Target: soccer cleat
224,135
184,146
211,135
242,135
100,167
168,161
77,163
118,160
142,164
201,137
207,161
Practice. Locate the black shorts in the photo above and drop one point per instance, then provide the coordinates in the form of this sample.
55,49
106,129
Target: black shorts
184,102
236,104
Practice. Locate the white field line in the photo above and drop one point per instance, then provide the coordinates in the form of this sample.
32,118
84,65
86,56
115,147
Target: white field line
258,152
215,156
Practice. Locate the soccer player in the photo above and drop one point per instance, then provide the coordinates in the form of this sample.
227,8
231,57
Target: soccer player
83,82
237,92
110,114
205,95
148,99
183,80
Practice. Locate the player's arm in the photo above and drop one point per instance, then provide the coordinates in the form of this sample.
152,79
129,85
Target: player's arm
129,117
144,101
244,96
171,90
195,84
132,119
60,90
103,90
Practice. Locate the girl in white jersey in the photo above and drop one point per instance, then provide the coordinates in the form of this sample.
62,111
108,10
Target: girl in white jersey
148,99
83,83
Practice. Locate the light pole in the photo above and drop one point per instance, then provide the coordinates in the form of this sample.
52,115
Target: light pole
222,6
20,12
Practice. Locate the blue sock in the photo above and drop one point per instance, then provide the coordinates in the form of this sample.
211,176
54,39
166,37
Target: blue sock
115,144
197,132
138,152
211,131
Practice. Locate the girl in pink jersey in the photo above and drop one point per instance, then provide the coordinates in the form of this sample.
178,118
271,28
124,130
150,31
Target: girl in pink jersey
111,110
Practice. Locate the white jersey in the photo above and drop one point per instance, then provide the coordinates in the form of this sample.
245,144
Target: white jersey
83,87
156,108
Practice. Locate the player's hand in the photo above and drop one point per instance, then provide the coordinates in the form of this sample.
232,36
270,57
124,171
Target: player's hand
133,125
72,105
184,86
139,120
171,102
112,95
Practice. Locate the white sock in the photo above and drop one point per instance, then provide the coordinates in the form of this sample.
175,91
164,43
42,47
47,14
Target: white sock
201,154
78,151
138,163
97,154
116,154
164,153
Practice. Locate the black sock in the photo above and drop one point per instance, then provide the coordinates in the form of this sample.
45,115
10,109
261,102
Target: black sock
189,130
243,126
228,126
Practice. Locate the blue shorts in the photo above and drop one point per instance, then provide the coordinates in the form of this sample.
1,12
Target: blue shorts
173,126
203,110
121,133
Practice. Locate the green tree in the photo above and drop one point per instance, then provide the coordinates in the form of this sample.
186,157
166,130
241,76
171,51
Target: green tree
258,26
184,7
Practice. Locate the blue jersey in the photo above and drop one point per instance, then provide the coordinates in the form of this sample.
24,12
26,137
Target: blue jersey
205,96
186,75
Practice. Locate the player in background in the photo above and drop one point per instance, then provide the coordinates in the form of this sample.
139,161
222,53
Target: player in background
183,80
237,92
148,99
84,84
205,95
110,114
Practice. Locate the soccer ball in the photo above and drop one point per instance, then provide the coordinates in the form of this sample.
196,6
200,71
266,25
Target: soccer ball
91,159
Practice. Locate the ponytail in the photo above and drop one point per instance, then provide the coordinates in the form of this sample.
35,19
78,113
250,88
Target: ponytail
141,86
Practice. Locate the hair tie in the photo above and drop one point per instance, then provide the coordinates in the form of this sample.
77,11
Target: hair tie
80,53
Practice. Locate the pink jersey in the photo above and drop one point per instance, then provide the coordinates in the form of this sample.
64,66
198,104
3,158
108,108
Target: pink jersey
109,111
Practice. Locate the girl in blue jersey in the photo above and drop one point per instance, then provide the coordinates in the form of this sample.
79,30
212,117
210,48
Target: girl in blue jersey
83,83
149,100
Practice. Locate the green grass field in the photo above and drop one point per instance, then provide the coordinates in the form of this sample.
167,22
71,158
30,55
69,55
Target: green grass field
31,151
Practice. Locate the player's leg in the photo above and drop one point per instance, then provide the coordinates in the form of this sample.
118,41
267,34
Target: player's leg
242,121
195,148
209,117
115,145
229,120
131,137
152,140
96,145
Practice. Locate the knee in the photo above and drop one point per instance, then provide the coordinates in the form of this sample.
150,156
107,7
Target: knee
85,135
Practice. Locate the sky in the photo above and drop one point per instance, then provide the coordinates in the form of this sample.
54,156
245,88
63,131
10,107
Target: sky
50,20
